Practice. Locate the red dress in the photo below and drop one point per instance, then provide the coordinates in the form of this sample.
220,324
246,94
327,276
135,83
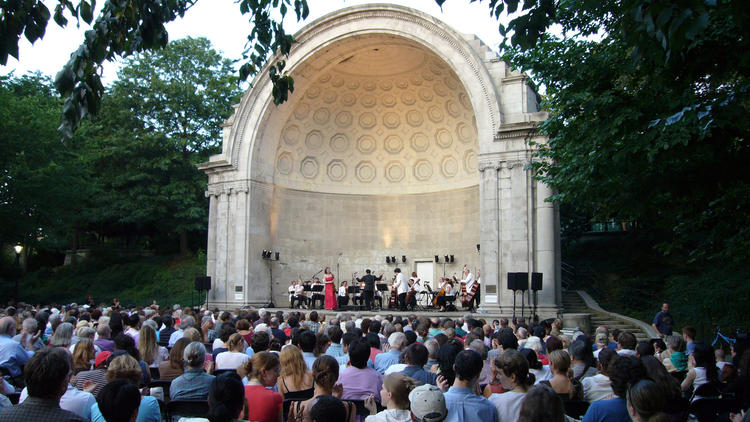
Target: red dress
263,405
330,292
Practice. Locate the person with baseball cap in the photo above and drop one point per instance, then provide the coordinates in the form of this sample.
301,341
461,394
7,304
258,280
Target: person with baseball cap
427,404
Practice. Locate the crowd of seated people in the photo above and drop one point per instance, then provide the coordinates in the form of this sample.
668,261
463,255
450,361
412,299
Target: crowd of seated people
84,363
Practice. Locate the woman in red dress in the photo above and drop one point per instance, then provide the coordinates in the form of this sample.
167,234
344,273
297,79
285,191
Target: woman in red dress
330,289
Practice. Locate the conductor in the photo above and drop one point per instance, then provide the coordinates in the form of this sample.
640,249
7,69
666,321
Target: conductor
369,289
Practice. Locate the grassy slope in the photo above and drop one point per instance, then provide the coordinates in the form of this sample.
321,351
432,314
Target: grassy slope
137,281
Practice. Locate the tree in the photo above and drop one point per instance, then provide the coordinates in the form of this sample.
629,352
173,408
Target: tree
42,179
123,28
161,117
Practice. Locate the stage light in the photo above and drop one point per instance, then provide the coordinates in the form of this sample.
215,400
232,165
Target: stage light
387,259
277,256
403,258
447,259
452,259
478,246
393,259
437,258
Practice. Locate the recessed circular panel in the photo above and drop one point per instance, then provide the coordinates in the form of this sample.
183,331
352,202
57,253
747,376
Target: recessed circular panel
440,89
339,142
386,85
394,144
415,80
388,100
394,171
450,82
422,170
344,119
408,98
337,81
291,134
365,171
352,84
470,161
284,163
391,120
309,167
330,97
452,108
313,92
402,83
366,144
464,100
436,69
427,76
369,85
336,170
314,139
443,138
325,78
348,99
464,132
425,94
414,118
420,142
449,166
368,101
435,114
367,120
301,111
321,116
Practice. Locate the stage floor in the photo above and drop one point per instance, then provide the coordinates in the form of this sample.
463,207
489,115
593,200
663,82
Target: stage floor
478,314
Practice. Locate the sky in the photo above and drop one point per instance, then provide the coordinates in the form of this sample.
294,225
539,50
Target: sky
221,22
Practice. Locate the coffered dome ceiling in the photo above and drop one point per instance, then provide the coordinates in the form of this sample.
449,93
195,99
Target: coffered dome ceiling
387,116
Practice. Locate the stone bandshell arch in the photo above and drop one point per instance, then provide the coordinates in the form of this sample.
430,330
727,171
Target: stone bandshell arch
505,113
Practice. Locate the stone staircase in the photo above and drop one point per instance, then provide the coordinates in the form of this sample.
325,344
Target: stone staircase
573,302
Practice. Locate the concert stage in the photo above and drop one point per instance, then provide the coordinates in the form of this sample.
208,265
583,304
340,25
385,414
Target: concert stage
478,314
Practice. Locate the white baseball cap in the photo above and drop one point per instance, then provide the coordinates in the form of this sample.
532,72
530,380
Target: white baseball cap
428,403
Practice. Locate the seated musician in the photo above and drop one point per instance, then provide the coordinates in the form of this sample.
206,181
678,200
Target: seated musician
378,297
469,301
299,296
449,296
292,291
343,296
359,298
317,296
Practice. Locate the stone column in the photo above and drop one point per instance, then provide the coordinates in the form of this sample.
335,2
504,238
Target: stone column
489,236
546,249
212,195
219,281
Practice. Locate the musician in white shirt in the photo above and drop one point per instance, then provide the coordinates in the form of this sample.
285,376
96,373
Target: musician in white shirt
469,281
447,287
300,296
402,288
343,297
292,289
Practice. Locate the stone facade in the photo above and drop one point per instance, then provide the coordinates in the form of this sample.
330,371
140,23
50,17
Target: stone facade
402,137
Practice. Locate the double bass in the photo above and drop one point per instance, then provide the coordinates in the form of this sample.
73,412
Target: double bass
394,296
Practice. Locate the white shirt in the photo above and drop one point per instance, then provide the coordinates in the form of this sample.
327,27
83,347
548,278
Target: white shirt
291,290
598,387
395,368
469,281
230,360
417,287
342,291
508,405
74,400
401,284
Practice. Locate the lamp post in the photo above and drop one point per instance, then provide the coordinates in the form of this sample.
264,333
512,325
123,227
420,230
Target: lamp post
18,249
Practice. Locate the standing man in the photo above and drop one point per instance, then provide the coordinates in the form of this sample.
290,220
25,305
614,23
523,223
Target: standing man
663,321
468,280
369,289
402,288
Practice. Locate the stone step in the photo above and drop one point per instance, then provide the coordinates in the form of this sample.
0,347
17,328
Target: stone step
573,303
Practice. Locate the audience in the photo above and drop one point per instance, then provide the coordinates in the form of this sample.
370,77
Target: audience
623,371
325,373
118,401
645,402
359,381
193,384
427,404
296,380
395,399
126,368
561,381
541,404
599,387
263,371
513,371
462,399
235,356
174,367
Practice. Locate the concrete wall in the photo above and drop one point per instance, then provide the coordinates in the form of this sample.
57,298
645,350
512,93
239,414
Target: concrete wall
313,230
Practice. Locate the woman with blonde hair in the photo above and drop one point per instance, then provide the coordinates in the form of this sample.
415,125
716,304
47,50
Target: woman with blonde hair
149,348
296,380
395,399
325,373
83,355
561,381
263,371
125,367
235,356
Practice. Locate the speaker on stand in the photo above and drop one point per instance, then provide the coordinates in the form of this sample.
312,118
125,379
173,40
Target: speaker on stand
203,284
516,282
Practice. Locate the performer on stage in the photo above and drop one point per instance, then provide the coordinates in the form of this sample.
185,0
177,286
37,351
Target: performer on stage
447,286
330,289
343,298
300,296
292,291
317,296
468,281
414,289
369,289
359,298
402,288
479,287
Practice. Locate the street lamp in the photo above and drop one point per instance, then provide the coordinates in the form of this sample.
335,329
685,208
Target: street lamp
18,249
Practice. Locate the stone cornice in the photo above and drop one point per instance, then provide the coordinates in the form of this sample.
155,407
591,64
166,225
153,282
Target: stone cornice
229,189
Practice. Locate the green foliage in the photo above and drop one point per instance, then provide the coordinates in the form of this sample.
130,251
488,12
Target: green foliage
648,103
123,28
42,180
136,281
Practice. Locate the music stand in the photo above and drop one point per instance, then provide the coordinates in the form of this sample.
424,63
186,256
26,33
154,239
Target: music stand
353,290
317,291
381,287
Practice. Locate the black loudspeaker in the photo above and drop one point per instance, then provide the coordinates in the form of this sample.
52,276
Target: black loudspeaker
536,281
518,281
202,283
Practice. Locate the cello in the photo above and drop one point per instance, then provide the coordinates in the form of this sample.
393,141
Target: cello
412,292
393,303
440,293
